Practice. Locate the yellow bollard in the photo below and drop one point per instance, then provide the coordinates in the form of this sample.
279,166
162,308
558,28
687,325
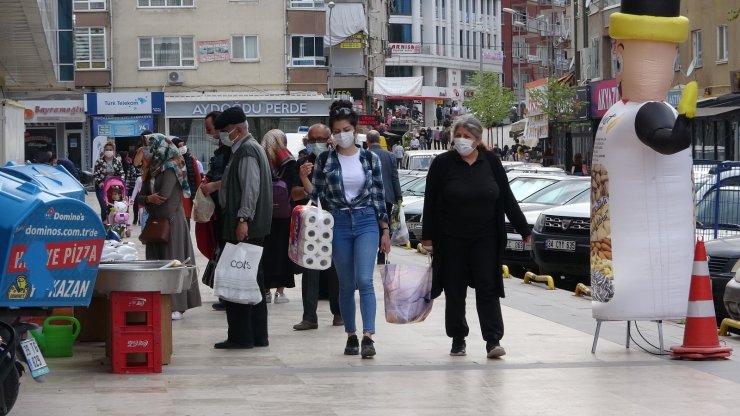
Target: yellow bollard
505,270
529,277
582,290
408,245
728,323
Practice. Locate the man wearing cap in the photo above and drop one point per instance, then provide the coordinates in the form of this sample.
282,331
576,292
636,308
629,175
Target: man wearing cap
245,196
641,195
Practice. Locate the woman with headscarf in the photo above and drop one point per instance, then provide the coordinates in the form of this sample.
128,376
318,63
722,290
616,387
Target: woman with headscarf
278,267
161,194
106,167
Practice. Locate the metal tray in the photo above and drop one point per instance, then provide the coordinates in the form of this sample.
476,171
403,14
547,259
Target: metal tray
142,276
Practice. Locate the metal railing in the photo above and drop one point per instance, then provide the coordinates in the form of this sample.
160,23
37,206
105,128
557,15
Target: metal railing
717,197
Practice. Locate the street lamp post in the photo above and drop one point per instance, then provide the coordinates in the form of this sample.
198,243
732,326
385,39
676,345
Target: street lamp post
331,62
519,94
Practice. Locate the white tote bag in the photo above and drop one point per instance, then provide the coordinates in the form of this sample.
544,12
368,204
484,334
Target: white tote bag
236,274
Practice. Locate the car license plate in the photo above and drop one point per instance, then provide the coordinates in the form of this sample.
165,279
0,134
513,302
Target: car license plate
414,225
34,358
564,245
517,245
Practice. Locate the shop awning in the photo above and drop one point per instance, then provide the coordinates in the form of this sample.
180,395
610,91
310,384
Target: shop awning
409,87
715,111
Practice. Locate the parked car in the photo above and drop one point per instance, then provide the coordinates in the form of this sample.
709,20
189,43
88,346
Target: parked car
562,241
726,215
419,159
529,168
724,261
413,208
525,184
572,189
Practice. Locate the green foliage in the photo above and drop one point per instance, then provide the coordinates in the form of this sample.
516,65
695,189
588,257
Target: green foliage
733,14
557,100
491,102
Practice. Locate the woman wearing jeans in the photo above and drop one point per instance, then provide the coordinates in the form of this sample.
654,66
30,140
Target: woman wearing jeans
349,182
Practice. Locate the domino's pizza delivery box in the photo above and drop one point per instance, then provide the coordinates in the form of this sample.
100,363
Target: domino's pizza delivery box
50,247
54,179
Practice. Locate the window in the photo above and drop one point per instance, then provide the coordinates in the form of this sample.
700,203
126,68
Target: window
399,33
90,48
722,43
696,47
244,48
89,5
307,51
401,7
677,61
307,4
166,3
166,52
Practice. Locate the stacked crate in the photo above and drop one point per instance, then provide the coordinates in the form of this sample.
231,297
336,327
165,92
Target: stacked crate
136,342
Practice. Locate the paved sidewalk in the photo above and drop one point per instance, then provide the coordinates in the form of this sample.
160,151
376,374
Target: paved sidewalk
548,369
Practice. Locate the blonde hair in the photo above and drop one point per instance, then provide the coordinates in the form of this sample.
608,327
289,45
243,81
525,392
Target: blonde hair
273,142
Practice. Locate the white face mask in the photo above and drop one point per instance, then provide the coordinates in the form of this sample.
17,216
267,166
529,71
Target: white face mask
182,150
318,148
345,139
109,153
463,146
225,139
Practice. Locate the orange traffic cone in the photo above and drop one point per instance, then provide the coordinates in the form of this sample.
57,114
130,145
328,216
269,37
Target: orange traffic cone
700,340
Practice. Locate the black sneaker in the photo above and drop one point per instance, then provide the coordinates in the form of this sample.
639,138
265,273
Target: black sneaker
353,346
494,350
368,350
458,347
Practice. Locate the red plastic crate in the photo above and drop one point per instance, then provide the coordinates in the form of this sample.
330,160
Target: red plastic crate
135,311
136,352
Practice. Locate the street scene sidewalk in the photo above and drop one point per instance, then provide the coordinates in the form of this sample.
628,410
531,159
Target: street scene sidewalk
548,368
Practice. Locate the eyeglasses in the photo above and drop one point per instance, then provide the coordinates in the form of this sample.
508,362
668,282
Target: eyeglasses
341,111
317,139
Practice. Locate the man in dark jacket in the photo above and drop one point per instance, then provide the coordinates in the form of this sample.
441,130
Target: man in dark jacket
391,185
246,200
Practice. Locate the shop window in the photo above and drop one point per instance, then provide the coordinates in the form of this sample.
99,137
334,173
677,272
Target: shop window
244,48
307,50
89,5
39,141
166,52
90,50
166,3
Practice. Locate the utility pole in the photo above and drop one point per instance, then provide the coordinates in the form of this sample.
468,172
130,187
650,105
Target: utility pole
331,62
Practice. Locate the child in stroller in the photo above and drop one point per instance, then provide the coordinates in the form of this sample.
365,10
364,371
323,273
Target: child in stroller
114,191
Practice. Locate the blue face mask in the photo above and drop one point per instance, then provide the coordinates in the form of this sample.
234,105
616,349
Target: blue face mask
309,149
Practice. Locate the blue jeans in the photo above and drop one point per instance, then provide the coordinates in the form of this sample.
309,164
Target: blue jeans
354,246
103,206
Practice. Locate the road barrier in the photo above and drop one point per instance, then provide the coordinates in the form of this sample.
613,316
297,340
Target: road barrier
582,290
543,278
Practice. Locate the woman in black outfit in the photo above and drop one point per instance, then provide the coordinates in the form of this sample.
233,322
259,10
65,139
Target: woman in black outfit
467,196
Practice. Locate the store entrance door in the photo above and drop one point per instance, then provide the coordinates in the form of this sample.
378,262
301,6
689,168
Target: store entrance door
73,146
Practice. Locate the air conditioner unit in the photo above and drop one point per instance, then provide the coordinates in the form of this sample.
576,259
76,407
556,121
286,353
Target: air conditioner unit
175,78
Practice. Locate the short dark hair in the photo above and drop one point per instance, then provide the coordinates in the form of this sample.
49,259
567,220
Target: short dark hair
342,110
213,115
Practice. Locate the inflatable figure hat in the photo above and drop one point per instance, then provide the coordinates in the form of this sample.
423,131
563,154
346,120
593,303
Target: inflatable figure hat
656,20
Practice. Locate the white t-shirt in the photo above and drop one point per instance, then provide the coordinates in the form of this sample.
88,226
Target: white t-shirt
353,176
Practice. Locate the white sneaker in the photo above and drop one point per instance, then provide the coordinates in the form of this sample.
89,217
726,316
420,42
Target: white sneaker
176,316
281,298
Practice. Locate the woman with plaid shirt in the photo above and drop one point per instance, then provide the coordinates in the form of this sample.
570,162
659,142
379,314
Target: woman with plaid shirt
349,182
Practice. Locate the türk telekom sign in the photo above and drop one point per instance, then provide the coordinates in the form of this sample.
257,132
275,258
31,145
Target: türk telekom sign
603,95
54,111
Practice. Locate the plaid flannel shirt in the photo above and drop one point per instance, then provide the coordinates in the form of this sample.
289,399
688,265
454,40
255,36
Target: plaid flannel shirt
328,184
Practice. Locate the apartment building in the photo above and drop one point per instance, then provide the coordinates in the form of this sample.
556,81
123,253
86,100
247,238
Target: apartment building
445,42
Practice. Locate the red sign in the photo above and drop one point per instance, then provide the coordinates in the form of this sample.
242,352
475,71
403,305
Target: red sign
604,94
61,255
370,120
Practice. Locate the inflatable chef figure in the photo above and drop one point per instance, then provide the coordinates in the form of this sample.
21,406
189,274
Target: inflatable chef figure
642,221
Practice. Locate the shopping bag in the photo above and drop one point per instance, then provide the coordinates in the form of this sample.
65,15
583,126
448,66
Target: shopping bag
203,207
236,274
399,231
407,292
310,238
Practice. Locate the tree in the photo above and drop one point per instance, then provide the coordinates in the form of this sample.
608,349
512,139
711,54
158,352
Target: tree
491,102
733,14
556,100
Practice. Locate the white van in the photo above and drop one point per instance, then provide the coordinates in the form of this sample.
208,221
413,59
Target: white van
419,159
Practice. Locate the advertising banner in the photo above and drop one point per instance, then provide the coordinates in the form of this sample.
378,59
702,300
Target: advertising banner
492,56
214,50
604,94
124,103
405,48
54,111
121,126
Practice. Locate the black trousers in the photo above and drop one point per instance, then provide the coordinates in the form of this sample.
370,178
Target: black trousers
310,291
248,323
464,262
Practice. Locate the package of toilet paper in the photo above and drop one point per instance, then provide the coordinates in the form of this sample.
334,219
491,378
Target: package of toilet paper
311,234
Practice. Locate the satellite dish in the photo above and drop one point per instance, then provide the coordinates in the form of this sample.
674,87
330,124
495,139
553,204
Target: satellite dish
692,65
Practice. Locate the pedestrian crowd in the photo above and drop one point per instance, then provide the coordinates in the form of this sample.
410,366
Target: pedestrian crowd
252,179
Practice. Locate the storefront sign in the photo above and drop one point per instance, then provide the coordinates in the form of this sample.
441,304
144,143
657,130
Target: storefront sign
603,95
405,48
674,96
533,108
124,103
492,56
356,41
356,93
214,50
370,120
54,111
582,96
121,126
257,108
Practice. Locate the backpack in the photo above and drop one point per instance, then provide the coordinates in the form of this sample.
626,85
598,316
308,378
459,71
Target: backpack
280,198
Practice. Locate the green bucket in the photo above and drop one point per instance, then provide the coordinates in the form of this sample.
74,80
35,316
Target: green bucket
58,336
